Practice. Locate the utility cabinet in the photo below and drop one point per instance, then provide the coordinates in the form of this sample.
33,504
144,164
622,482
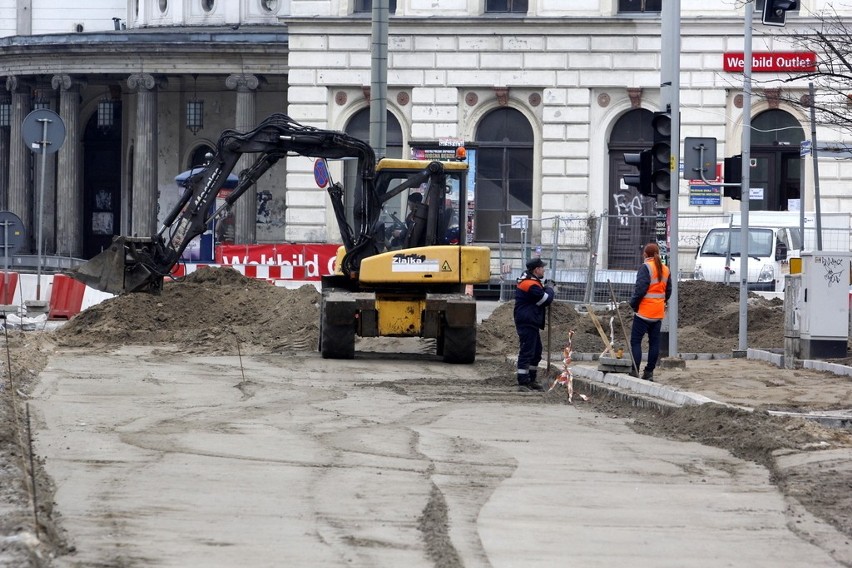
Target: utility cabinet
824,305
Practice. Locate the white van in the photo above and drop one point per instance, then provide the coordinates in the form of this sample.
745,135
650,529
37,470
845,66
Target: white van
769,249
774,238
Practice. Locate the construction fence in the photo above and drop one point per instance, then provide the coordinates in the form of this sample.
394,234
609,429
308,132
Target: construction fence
594,259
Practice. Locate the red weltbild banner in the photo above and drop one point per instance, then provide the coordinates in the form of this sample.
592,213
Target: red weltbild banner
770,61
309,261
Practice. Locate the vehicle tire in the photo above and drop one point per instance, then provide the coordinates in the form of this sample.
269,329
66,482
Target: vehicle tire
336,341
459,344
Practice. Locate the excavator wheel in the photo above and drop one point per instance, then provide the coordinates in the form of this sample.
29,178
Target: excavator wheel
459,345
337,341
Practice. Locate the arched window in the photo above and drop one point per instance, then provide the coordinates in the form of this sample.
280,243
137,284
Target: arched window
775,139
504,169
776,128
359,127
198,157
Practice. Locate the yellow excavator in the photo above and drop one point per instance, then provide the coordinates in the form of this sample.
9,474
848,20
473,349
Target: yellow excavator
393,277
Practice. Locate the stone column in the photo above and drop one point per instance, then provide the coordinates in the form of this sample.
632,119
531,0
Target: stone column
245,209
69,186
44,205
143,216
20,196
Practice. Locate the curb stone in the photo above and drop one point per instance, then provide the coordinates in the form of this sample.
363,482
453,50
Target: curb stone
646,393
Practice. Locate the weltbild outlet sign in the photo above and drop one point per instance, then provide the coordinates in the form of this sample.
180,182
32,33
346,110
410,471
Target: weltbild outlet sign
771,61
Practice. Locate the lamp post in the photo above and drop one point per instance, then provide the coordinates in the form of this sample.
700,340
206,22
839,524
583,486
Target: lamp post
742,345
670,96
379,78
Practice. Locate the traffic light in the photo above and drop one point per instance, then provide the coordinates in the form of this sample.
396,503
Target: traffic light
775,11
733,174
661,154
642,179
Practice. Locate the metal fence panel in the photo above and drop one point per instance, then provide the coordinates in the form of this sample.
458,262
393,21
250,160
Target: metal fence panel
585,257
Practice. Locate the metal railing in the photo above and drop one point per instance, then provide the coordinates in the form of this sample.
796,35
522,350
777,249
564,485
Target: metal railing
29,263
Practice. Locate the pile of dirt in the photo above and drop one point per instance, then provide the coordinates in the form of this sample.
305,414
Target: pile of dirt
213,310
708,322
217,309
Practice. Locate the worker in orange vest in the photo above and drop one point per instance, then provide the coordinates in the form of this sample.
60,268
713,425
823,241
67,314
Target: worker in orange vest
649,301
532,297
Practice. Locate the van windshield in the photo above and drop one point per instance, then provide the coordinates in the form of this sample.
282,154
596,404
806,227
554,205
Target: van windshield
717,241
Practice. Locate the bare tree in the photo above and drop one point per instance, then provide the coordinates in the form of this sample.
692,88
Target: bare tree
830,38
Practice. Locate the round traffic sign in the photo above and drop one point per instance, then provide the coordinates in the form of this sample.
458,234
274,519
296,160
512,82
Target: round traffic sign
321,172
43,131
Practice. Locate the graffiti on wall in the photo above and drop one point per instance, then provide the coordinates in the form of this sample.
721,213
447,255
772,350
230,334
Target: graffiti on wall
626,204
833,268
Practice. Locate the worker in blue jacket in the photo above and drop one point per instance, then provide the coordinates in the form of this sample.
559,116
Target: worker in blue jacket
532,297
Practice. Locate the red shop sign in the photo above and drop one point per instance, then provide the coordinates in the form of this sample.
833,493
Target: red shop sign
770,61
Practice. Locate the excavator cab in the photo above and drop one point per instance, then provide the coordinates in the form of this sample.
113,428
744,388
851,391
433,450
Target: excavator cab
403,207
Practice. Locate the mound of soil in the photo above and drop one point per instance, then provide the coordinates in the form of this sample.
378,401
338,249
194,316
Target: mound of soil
708,322
213,310
218,310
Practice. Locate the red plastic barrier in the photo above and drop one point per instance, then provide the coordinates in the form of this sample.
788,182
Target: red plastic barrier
66,297
8,285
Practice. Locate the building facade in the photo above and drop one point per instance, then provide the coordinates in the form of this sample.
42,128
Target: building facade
547,96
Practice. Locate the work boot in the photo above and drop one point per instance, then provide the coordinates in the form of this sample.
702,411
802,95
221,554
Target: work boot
648,375
534,384
634,373
530,386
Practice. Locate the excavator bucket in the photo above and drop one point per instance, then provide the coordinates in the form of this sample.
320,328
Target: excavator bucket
118,269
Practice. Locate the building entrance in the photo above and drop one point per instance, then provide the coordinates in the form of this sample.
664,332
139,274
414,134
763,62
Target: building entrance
632,216
776,177
101,183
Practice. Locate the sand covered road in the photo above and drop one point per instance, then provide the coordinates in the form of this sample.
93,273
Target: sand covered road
229,342
167,459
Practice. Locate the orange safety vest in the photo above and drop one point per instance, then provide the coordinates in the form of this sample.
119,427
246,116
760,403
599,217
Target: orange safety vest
653,303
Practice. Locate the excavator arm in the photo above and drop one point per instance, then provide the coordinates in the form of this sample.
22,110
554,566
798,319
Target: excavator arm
133,264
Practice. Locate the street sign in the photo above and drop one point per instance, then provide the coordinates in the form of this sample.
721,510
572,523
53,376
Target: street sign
43,131
321,175
804,148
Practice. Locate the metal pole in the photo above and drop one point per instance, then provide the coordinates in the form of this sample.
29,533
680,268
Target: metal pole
43,144
379,79
671,23
817,208
802,188
746,177
6,258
